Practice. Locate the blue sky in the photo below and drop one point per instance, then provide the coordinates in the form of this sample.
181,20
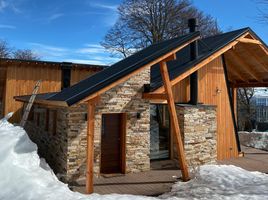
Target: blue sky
70,30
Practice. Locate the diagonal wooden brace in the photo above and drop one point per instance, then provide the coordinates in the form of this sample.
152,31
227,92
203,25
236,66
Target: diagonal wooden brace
174,121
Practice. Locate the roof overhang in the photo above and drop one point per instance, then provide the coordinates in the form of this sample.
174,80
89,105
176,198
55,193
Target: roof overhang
247,63
25,99
257,74
167,57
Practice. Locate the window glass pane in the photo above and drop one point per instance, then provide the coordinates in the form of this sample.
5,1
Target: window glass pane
160,132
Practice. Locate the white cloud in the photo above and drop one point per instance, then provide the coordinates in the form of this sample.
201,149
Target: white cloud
10,4
47,50
104,6
91,49
55,16
90,54
3,5
48,47
6,26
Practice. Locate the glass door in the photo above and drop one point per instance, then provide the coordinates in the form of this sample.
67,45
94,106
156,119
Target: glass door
159,132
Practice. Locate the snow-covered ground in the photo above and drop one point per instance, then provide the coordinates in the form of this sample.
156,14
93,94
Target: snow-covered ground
23,176
258,140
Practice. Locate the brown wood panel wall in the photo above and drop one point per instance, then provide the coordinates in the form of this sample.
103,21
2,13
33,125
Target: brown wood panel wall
213,91
79,74
181,91
21,79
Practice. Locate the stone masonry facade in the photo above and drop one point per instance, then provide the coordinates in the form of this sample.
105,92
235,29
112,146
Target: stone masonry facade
65,147
198,126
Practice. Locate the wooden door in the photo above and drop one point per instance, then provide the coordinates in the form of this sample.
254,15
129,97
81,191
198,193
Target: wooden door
113,143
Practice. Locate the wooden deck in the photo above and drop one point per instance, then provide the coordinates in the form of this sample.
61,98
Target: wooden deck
151,183
156,182
254,160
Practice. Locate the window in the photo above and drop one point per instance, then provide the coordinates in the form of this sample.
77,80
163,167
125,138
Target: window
159,132
261,101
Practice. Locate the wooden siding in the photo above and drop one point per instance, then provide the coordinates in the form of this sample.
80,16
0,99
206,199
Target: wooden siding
213,91
21,78
2,90
78,74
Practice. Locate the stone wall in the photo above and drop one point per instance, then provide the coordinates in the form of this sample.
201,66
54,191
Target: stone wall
198,126
127,98
66,150
51,138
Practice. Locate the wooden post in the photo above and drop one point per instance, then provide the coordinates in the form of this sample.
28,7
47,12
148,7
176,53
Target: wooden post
174,121
90,146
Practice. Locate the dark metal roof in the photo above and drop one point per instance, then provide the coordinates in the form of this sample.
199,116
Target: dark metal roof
43,96
207,47
118,70
53,63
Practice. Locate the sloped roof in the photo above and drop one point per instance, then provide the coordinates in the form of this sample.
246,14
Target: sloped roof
52,63
206,47
118,70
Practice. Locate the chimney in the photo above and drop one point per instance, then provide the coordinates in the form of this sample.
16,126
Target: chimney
65,75
192,24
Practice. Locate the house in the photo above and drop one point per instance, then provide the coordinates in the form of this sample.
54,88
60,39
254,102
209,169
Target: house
172,100
18,77
260,101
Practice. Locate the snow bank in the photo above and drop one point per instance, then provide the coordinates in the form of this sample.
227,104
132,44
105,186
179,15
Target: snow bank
23,176
222,182
258,140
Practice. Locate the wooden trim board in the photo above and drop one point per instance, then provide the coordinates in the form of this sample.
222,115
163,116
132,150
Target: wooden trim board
174,121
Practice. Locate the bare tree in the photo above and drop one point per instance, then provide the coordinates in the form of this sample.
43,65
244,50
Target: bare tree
263,10
25,54
5,49
145,22
245,108
118,38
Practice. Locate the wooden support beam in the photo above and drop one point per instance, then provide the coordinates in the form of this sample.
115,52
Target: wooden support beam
264,48
154,96
244,65
235,72
172,57
249,41
90,146
257,59
249,84
174,121
201,64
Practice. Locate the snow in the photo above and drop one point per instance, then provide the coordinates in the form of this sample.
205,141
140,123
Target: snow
25,177
258,140
222,182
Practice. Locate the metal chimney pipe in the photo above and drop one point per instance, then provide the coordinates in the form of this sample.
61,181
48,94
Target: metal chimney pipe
66,75
192,24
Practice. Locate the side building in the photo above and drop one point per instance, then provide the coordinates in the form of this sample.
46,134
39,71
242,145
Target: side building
18,77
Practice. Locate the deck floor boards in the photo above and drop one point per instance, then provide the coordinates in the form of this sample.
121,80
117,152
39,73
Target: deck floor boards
156,182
